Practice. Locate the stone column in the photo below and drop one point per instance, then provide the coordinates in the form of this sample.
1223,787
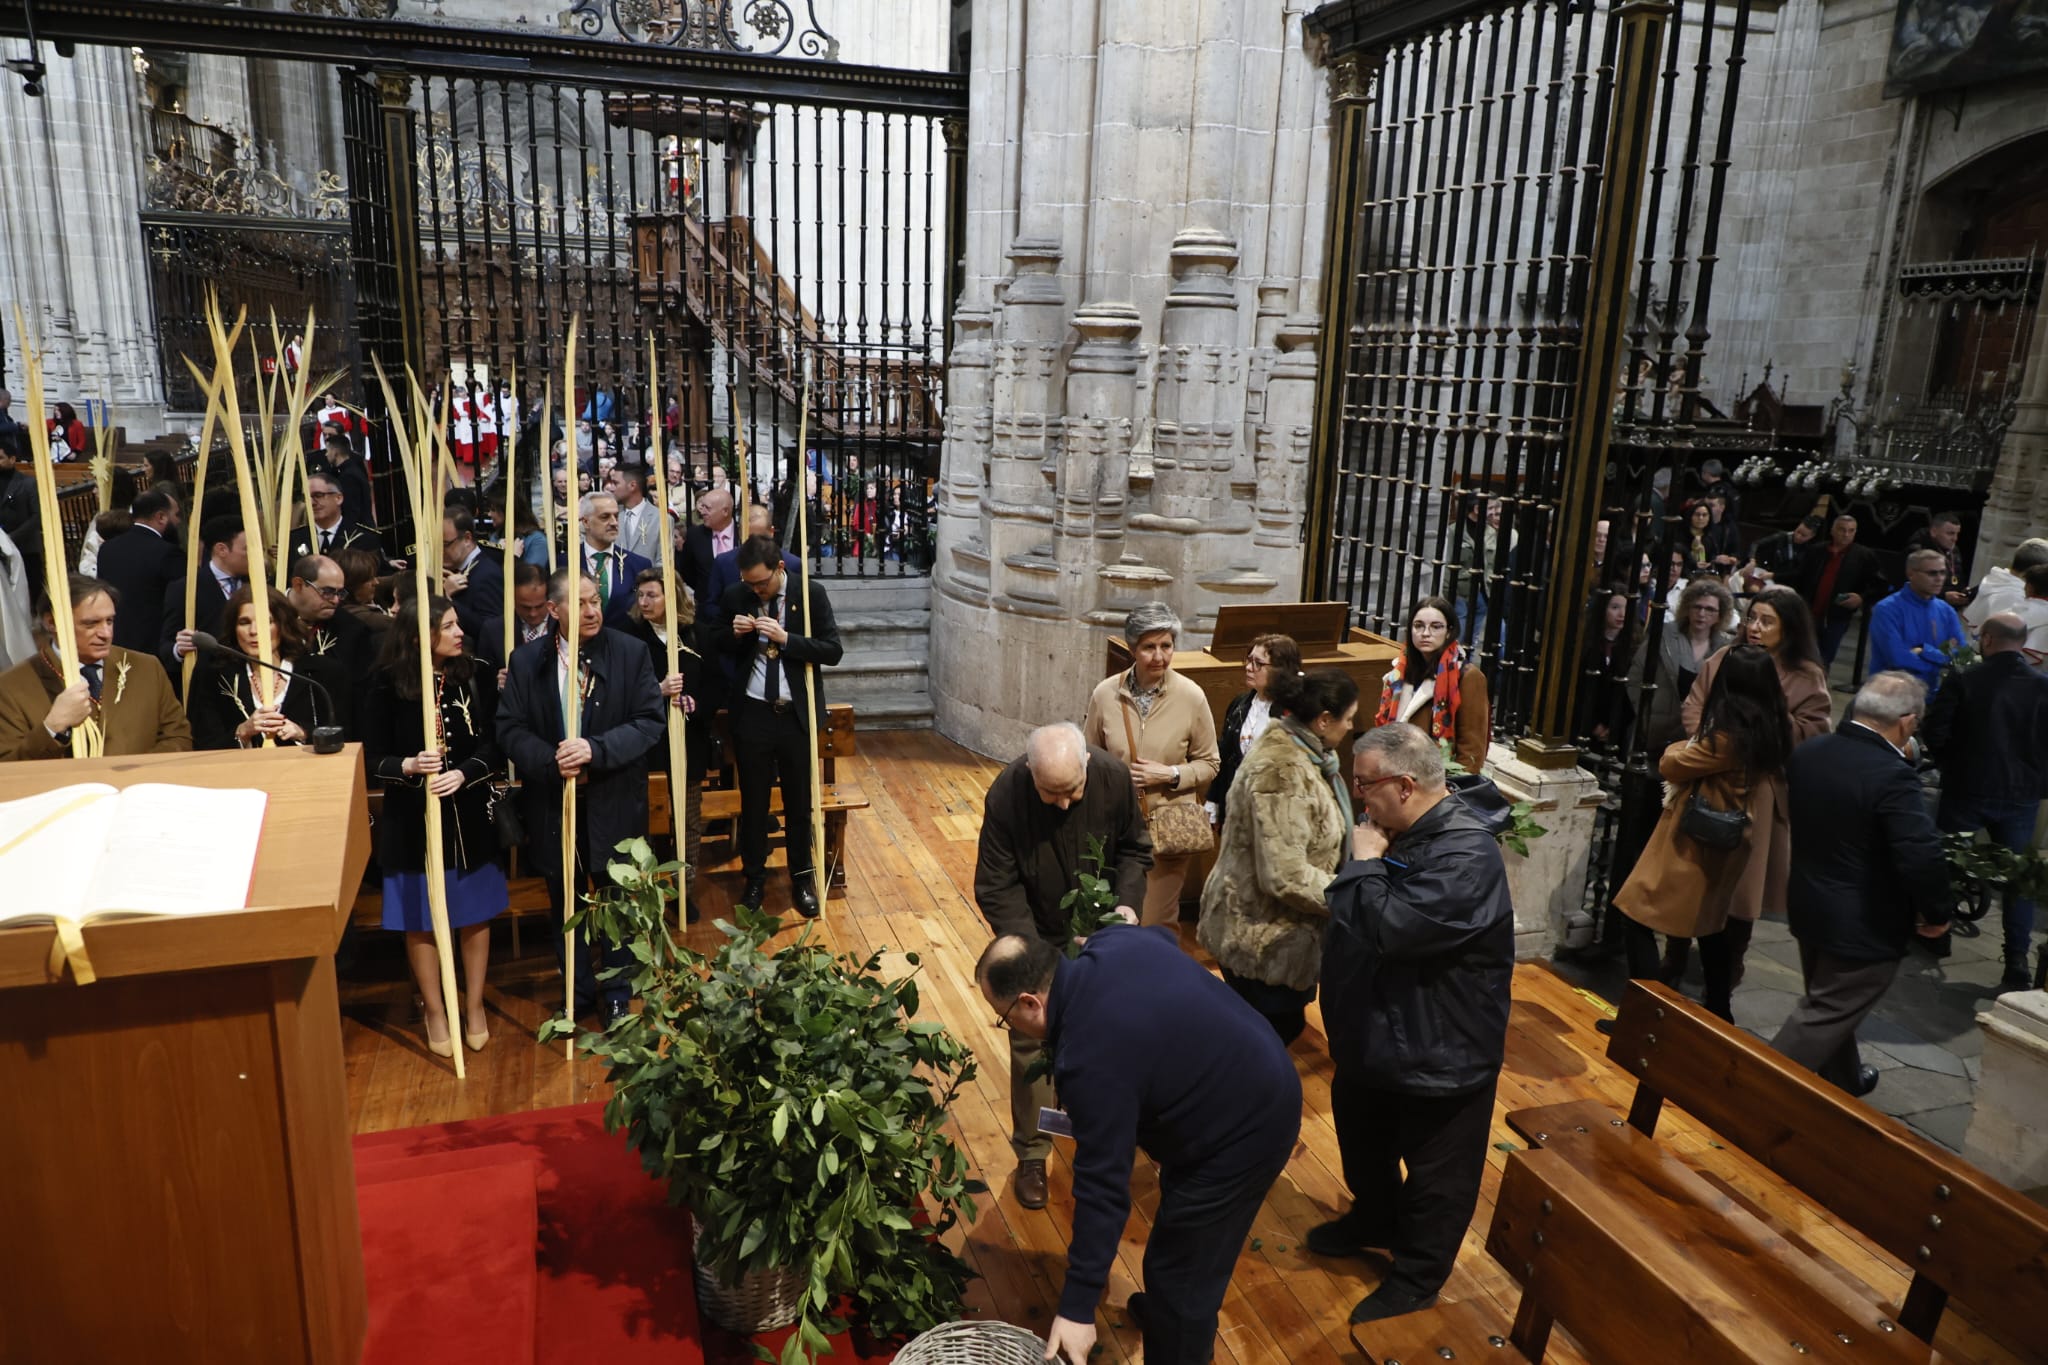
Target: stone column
2018,505
2008,1137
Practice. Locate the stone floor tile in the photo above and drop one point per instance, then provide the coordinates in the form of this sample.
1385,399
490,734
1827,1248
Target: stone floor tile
1910,1090
1946,1126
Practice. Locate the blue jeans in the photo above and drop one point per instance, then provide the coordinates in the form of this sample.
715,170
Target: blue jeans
2010,823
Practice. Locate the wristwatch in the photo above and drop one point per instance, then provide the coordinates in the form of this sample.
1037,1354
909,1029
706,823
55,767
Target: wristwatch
1176,781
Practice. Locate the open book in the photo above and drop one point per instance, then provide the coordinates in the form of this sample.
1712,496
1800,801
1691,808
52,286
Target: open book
85,851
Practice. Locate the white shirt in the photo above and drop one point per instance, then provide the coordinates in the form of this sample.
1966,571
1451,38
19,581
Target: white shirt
1255,722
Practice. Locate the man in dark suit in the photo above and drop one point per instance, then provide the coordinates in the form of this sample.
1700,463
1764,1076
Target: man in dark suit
1839,580
474,581
139,566
340,462
1988,728
1867,874
342,651
610,567
221,573
622,722
328,530
713,535
21,516
768,637
725,570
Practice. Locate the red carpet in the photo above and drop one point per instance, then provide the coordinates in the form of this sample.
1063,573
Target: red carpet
530,1238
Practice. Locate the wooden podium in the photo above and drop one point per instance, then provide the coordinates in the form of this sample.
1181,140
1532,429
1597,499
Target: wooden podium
176,1182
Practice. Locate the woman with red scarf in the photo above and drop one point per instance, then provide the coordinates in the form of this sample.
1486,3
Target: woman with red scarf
1437,685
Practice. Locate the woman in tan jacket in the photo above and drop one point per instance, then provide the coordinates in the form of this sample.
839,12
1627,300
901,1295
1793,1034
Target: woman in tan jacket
1160,725
1689,889
1437,685
1778,621
1263,914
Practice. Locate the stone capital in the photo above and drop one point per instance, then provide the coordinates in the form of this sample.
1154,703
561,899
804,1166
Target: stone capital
1203,259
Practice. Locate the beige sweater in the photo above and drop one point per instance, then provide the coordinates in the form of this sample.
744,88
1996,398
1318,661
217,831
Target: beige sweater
1180,732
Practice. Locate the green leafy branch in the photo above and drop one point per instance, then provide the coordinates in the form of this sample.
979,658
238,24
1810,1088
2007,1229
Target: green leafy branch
1091,904
1980,863
1521,826
794,1104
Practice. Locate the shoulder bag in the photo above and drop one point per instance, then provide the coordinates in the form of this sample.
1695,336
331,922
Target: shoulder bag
1710,828
1178,828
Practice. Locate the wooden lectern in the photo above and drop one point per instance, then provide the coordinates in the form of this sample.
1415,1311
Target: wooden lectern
176,1182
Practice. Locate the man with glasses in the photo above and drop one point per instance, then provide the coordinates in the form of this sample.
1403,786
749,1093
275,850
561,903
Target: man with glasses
1417,966
777,643
1151,1049
475,583
1914,631
341,650
328,530
1038,819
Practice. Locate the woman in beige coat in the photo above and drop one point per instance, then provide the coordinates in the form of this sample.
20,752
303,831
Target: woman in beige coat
1175,753
1263,914
1687,889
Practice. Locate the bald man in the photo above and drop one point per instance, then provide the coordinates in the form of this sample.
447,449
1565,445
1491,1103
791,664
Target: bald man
713,535
1036,822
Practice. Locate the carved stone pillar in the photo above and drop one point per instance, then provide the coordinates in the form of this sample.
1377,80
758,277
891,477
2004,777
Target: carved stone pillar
965,475
1092,480
2018,505
1282,439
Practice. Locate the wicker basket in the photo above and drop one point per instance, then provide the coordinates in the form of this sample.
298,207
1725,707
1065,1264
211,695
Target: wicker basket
761,1301
973,1343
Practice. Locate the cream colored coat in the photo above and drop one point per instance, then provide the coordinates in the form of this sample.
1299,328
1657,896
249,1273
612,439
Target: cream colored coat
1263,913
1180,732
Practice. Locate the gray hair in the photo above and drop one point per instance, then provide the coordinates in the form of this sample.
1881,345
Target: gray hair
1061,739
2032,552
1887,698
1407,750
1150,619
1919,557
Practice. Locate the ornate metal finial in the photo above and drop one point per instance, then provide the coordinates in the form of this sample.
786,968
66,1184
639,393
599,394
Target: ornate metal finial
762,28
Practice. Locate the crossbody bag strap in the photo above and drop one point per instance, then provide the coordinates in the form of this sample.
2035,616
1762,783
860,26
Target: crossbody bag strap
1131,742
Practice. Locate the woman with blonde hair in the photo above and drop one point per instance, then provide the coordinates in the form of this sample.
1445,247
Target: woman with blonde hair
1159,724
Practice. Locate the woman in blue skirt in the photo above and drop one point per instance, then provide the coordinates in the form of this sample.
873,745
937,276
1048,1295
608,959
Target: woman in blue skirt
455,764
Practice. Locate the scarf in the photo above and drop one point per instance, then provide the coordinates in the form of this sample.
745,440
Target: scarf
1443,708
1324,758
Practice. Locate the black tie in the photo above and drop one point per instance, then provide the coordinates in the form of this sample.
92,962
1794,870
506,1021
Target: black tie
92,679
326,541
771,692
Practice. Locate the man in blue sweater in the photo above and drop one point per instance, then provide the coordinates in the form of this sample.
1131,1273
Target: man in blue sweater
1914,630
1151,1050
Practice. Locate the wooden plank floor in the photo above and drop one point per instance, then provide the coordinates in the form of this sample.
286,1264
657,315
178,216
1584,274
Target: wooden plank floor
909,889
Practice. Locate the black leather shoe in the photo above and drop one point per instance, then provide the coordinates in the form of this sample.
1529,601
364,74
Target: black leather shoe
614,1009
691,914
1349,1235
756,892
803,894
1866,1080
1605,1027
1388,1302
1136,1308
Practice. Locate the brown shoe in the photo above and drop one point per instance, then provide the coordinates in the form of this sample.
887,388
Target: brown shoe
1031,1184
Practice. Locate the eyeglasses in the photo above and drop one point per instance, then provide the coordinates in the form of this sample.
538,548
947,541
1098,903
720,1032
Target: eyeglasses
332,594
1003,1019
318,496
1368,783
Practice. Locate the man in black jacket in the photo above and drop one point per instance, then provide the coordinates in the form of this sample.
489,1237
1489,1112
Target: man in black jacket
328,530
1417,967
341,651
1036,822
1867,874
223,571
1839,580
713,535
1988,730
768,637
474,581
21,515
622,722
139,566
1152,1051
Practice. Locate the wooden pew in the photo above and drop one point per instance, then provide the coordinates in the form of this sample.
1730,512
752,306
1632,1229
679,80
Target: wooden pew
1962,1234
1629,1289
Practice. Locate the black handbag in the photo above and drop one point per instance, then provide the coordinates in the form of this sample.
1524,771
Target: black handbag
511,829
1710,828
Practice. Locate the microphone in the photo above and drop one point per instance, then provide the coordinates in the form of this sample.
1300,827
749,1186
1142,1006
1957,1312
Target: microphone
326,738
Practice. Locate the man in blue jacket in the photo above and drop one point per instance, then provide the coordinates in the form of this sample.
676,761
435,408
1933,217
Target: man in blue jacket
1150,1050
1417,967
1914,630
1867,874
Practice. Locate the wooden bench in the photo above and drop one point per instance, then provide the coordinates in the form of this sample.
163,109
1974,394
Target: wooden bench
1962,1234
529,894
1631,1289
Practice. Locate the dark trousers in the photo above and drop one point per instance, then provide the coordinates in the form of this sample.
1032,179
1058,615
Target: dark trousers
1201,1227
769,745
1820,1033
1442,1140
1834,625
2010,823
1722,957
1285,1008
591,955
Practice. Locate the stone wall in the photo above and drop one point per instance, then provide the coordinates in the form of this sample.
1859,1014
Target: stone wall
1133,370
